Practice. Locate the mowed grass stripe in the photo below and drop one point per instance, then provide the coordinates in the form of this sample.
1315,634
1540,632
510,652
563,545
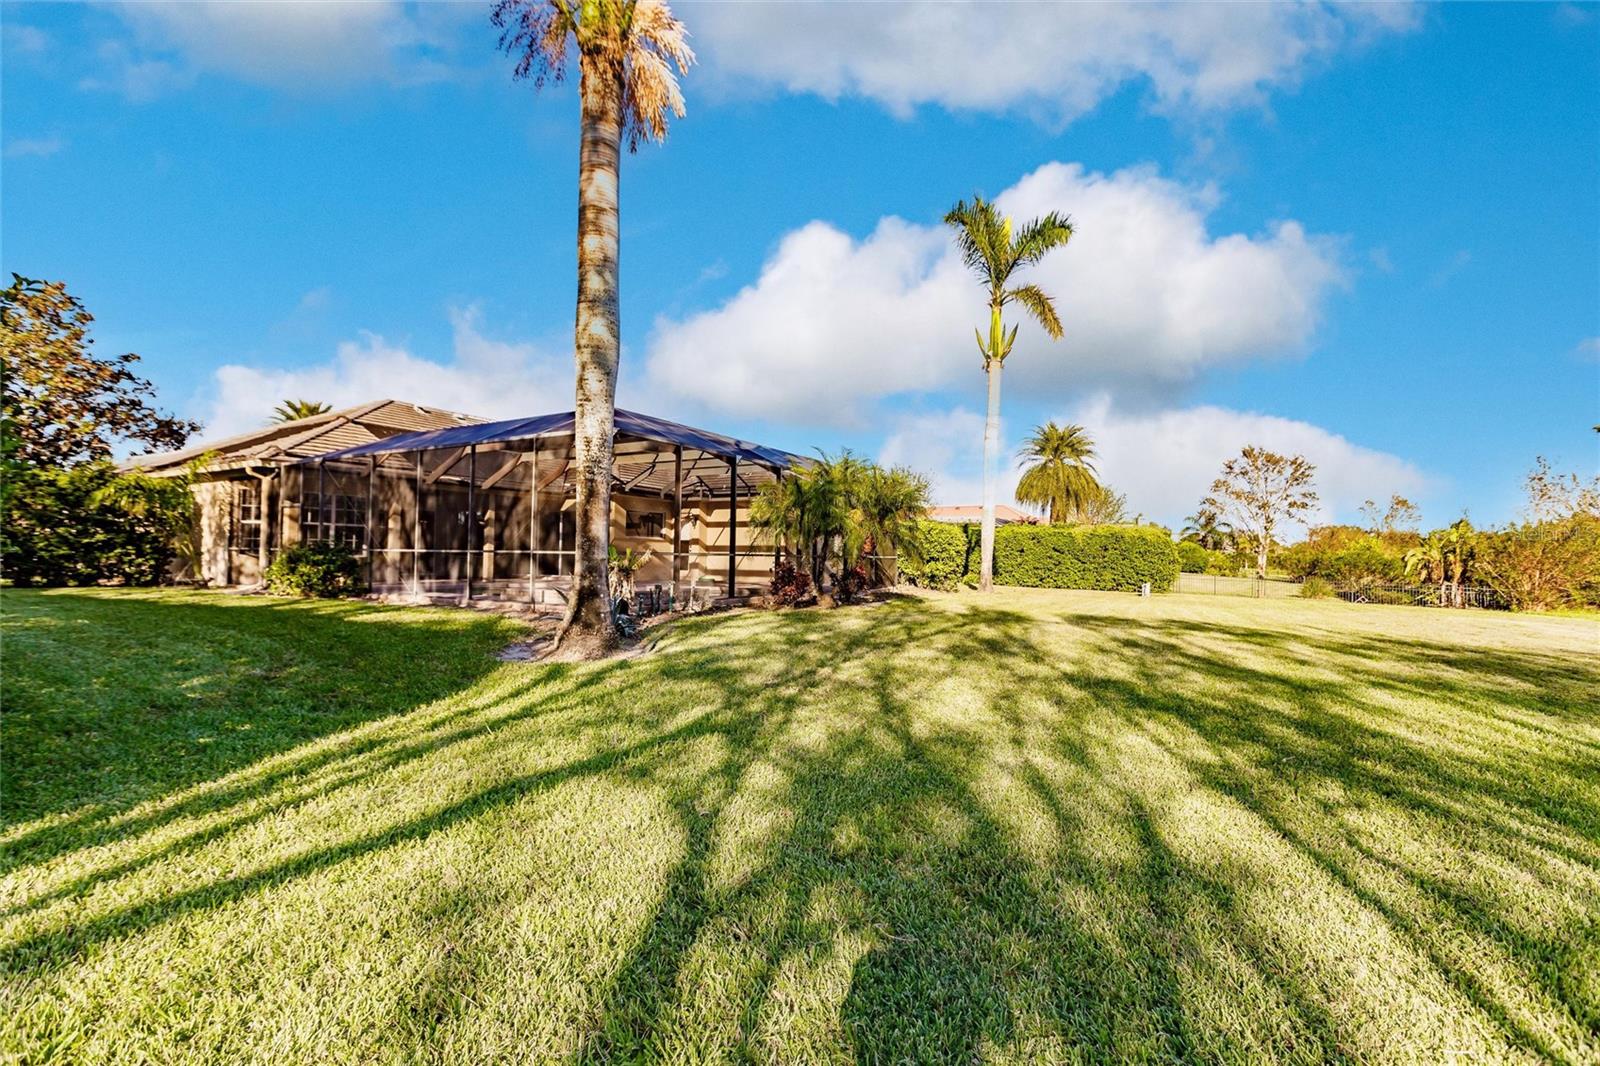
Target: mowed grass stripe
1032,827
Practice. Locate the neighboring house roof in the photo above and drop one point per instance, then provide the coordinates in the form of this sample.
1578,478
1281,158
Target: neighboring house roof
1003,515
303,438
630,425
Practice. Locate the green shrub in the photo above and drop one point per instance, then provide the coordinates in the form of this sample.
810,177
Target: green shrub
1362,565
1316,588
1112,558
944,556
88,524
1194,559
315,568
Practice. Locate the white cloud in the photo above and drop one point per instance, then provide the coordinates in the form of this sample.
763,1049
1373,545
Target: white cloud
23,39
1148,296
287,44
40,147
1588,349
315,299
947,447
1164,461
1057,60
484,376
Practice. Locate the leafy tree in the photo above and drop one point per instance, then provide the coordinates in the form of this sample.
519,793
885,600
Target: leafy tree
1059,475
991,250
62,404
1540,566
1553,497
1258,491
1206,528
1552,558
627,50
1401,514
1103,507
294,410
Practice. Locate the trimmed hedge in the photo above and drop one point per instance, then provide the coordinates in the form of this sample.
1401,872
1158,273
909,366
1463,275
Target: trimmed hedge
1110,558
945,549
1115,558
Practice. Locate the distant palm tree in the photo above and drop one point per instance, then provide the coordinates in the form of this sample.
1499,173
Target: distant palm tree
1059,476
1206,528
627,52
291,410
992,252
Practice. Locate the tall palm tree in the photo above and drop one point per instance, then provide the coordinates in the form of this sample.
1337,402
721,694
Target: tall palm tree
1059,476
627,52
994,253
291,410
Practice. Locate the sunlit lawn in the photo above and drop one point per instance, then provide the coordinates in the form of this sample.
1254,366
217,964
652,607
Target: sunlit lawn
1028,828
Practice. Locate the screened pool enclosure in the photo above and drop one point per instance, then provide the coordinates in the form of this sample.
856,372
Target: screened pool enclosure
486,510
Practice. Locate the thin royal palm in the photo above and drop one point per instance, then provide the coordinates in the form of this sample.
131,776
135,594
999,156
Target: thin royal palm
995,253
1059,475
627,52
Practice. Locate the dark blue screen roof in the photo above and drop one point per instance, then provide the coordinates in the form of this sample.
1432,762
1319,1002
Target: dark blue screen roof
628,423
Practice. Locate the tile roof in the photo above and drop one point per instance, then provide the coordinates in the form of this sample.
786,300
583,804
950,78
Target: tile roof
307,437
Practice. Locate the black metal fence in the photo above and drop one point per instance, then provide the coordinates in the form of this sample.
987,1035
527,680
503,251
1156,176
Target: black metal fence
1446,595
1442,595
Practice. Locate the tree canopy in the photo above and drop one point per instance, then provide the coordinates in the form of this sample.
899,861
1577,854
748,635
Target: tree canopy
294,410
1258,491
639,38
63,404
1059,474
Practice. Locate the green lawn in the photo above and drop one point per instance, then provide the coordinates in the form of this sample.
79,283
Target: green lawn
1036,827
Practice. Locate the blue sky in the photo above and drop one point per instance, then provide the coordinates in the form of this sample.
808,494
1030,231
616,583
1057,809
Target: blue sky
1369,234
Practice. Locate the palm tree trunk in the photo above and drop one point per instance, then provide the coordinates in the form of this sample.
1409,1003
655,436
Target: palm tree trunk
597,348
991,449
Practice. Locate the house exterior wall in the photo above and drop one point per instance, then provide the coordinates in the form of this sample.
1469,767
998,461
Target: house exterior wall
214,504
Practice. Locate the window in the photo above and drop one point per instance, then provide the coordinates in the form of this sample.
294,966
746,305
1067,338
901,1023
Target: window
249,497
644,523
341,520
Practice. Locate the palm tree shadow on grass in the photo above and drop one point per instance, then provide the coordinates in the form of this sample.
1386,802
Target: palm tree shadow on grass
973,941
193,691
971,937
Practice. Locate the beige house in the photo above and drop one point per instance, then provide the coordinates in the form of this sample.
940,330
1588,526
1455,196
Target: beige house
250,490
972,514
457,509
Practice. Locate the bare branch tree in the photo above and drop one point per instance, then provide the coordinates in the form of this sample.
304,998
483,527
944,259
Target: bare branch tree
1260,490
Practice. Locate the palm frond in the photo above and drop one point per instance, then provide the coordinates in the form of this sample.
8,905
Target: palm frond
981,240
536,32
1040,306
656,43
1039,237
